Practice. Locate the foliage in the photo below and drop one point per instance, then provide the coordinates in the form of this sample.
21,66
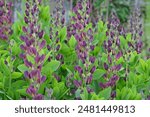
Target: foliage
75,61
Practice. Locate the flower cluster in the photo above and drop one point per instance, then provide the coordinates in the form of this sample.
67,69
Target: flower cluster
84,36
114,51
33,56
136,30
58,21
5,19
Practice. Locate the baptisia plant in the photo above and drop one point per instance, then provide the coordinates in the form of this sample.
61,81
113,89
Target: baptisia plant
33,43
57,33
81,29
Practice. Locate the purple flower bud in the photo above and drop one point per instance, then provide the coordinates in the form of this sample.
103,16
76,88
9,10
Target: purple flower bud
93,69
77,83
75,10
106,66
31,90
109,59
118,67
59,56
23,47
89,79
27,5
83,43
112,34
63,20
79,16
92,47
58,47
1,12
42,57
118,42
1,3
27,12
23,56
107,33
119,54
102,85
89,90
113,94
92,59
33,50
37,59
24,29
33,73
41,79
27,63
26,74
79,69
42,44
40,34
38,97
56,33
63,12
39,67
49,47
114,78
140,33
109,43
26,20
57,77
80,6
24,38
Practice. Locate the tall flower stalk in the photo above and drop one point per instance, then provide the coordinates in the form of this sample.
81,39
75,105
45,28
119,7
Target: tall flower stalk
33,43
81,29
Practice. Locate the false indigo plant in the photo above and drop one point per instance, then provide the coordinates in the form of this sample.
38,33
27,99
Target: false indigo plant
135,27
33,43
113,51
81,29
81,61
57,21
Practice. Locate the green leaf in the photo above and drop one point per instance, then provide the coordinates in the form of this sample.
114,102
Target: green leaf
50,67
22,68
56,92
123,42
6,71
84,95
72,42
63,34
22,92
98,74
106,93
16,75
